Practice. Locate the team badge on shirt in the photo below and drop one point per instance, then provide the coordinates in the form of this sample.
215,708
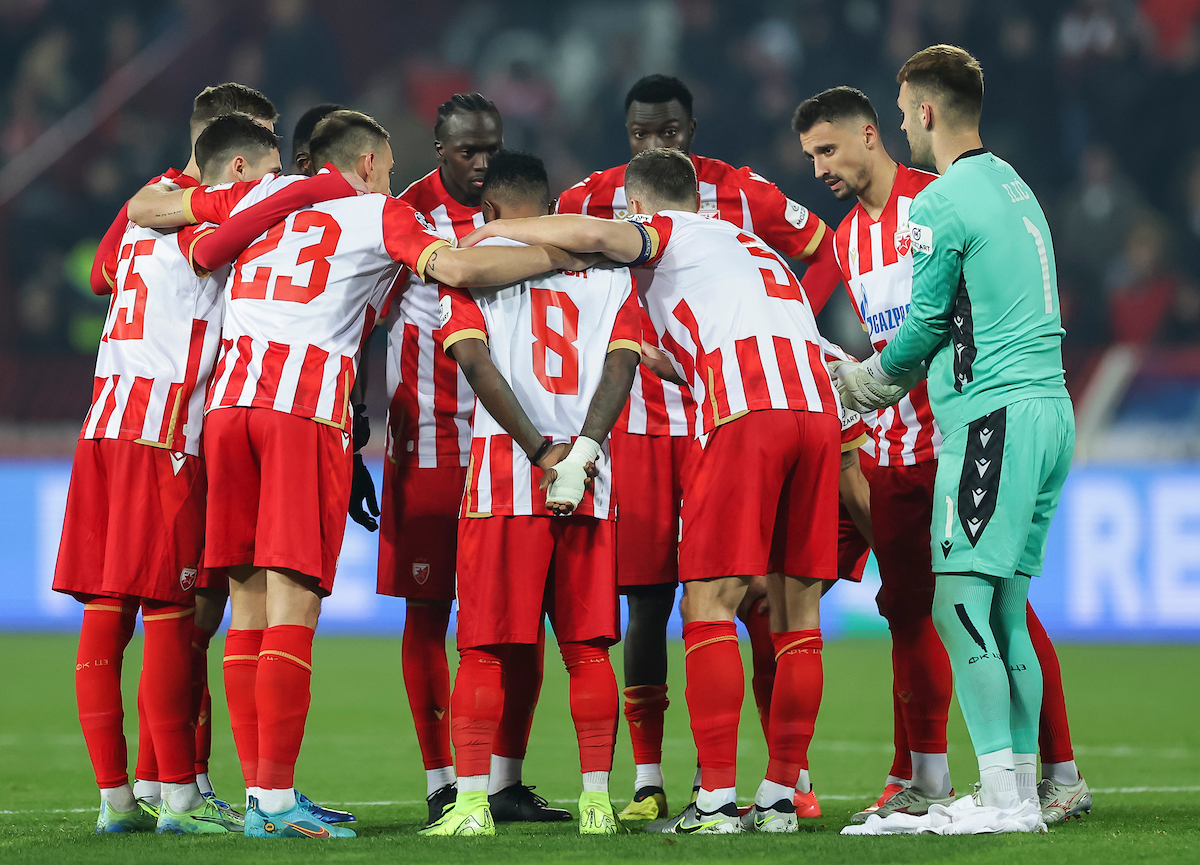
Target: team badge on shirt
421,572
187,578
903,240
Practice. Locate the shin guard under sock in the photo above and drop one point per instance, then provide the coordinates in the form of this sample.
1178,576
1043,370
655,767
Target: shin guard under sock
241,675
799,681
283,693
106,630
427,680
476,705
167,689
594,703
716,687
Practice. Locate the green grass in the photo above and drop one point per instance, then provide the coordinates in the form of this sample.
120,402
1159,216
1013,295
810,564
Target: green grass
1134,713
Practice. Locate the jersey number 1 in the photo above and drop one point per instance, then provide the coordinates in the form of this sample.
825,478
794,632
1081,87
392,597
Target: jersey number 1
545,338
1047,287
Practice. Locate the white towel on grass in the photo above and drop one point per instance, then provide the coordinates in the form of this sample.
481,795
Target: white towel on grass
960,817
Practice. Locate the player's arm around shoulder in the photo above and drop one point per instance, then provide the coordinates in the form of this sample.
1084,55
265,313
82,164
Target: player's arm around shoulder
938,242
616,239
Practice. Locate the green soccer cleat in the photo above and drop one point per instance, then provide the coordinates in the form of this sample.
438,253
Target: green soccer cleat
724,821
649,803
596,816
296,822
470,815
227,810
1061,802
141,818
205,819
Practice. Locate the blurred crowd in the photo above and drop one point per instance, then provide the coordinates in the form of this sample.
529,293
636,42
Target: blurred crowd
1089,99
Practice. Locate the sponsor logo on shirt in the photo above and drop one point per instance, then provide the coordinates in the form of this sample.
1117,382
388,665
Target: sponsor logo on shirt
444,305
796,214
885,321
922,238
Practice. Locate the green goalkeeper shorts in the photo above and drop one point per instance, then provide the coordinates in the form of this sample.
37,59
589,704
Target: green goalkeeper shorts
999,479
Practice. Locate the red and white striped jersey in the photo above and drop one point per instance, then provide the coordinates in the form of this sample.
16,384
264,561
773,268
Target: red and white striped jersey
734,320
548,337
160,340
876,262
736,195
302,298
430,402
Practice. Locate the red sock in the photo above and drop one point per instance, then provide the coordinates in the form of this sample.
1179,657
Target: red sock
523,672
795,703
475,708
427,679
167,673
593,703
716,687
147,763
241,674
201,699
282,691
902,760
762,654
1054,735
106,631
645,708
924,682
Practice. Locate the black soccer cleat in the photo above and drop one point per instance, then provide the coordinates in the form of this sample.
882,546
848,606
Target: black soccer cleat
439,801
519,804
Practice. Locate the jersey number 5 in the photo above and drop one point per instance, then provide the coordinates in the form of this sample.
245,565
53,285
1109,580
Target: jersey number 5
131,327
560,341
789,289
318,253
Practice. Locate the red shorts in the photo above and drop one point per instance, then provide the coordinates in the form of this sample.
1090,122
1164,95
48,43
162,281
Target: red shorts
761,496
511,570
418,530
213,578
852,548
134,524
901,514
648,480
279,488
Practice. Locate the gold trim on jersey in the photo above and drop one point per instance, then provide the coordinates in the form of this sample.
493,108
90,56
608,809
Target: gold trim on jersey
187,205
345,409
460,335
191,250
423,258
816,240
854,445
626,343
712,395
467,493
655,241
170,427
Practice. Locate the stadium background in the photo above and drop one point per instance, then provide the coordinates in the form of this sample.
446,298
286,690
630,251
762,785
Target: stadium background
1092,101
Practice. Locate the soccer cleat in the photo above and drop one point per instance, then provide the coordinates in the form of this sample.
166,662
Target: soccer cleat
439,802
888,792
325,815
470,815
596,815
806,804
724,821
904,801
1061,802
780,817
649,803
296,822
142,818
227,810
517,803
205,819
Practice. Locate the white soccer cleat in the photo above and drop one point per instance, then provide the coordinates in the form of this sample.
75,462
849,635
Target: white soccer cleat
1061,802
780,817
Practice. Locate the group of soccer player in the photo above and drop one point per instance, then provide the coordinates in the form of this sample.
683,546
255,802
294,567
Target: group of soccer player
607,394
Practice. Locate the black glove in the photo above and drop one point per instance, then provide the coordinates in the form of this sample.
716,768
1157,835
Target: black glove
361,427
362,487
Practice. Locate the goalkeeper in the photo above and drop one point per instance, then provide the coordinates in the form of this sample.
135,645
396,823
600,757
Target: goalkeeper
985,317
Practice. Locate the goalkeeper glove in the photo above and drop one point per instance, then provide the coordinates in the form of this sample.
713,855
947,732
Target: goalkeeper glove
362,490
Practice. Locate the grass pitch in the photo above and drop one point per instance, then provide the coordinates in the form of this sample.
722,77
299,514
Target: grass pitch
1134,713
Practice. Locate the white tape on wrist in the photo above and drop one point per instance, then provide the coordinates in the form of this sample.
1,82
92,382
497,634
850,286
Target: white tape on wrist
568,487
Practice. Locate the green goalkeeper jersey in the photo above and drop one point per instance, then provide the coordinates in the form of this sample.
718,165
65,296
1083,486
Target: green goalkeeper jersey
984,294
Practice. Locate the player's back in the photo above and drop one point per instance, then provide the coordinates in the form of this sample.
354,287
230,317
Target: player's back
1005,328
735,319
299,303
160,340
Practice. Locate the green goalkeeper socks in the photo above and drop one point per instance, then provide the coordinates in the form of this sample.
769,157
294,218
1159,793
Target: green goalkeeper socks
981,621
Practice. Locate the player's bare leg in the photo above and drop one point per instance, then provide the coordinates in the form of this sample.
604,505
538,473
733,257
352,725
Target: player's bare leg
715,691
